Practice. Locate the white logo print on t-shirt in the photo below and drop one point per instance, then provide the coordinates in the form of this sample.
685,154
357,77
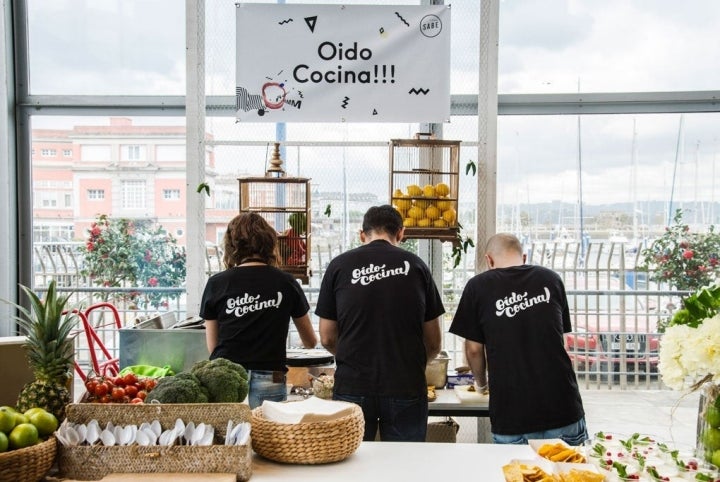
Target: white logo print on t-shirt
368,274
248,303
511,305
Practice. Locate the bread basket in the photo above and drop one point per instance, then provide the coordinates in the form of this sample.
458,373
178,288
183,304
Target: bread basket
307,443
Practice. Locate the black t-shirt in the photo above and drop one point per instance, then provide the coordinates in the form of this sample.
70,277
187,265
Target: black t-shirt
253,306
520,314
380,295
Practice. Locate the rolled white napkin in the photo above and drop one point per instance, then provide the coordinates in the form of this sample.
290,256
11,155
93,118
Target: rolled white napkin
313,409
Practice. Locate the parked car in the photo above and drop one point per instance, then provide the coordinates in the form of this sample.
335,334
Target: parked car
615,329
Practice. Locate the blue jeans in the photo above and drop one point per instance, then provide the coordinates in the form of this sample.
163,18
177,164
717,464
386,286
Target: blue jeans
574,434
399,419
264,386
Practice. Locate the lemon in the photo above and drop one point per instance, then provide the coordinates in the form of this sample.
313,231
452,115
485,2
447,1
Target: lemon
440,223
397,193
23,435
429,190
423,222
45,422
7,421
3,442
415,212
432,212
450,216
413,190
409,222
402,203
443,205
402,212
422,204
442,189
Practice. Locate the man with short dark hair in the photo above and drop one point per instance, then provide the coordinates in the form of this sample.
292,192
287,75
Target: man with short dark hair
379,312
513,318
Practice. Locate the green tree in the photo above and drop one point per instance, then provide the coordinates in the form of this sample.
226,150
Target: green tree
130,253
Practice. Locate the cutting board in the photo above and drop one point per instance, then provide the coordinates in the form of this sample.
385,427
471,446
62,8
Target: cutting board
466,396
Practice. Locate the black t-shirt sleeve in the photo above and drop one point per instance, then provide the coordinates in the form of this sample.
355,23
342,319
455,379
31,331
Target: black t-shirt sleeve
326,305
207,305
466,322
301,306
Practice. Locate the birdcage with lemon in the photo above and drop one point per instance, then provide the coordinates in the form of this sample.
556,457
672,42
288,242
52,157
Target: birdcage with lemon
424,186
284,202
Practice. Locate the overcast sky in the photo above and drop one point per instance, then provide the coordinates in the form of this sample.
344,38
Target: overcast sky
549,46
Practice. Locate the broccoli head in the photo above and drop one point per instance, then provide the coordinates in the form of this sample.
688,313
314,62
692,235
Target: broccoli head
181,388
225,381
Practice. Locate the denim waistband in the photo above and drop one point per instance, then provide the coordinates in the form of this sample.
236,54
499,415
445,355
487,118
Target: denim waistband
276,376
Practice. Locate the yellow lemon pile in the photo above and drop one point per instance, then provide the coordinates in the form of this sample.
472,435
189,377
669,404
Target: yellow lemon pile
425,207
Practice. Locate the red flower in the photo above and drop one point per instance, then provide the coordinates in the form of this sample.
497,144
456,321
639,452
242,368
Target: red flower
153,281
714,262
688,254
90,246
95,231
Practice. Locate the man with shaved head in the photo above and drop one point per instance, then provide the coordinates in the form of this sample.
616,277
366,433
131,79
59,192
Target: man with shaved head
513,317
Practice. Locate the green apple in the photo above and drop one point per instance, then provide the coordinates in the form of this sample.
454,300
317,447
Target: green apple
711,438
715,458
712,417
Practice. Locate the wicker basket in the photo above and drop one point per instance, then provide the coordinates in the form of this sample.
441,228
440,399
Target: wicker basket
307,443
29,464
94,462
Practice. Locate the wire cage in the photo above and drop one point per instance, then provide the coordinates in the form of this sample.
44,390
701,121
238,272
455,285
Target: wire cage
284,202
424,180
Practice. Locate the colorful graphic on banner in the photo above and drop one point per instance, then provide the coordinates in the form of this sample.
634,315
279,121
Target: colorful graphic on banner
342,63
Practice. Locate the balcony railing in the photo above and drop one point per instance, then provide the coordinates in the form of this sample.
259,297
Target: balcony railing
617,313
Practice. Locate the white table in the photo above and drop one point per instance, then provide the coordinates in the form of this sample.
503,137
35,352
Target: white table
402,461
448,404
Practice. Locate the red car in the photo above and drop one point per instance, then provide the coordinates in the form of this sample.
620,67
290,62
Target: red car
614,331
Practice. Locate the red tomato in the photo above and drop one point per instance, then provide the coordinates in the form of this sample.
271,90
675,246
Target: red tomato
130,379
119,381
102,389
118,393
90,385
150,383
136,400
141,394
105,399
131,391
140,384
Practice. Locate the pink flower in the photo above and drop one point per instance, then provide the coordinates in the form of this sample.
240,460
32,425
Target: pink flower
153,281
688,254
90,246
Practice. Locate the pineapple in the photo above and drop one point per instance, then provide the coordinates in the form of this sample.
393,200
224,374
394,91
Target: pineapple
48,326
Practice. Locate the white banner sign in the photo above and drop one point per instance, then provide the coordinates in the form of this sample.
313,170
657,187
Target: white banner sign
343,63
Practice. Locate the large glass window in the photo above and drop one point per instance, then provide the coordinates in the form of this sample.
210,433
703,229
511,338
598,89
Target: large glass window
611,46
107,47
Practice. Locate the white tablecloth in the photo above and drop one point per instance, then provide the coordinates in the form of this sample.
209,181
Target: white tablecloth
402,461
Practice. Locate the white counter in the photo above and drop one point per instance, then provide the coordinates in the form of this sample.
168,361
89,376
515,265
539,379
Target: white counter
402,461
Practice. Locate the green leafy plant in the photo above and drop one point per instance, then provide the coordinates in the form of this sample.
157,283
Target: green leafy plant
703,304
460,247
684,259
126,253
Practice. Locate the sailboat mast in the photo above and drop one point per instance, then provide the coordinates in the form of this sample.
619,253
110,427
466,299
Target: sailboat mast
677,155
